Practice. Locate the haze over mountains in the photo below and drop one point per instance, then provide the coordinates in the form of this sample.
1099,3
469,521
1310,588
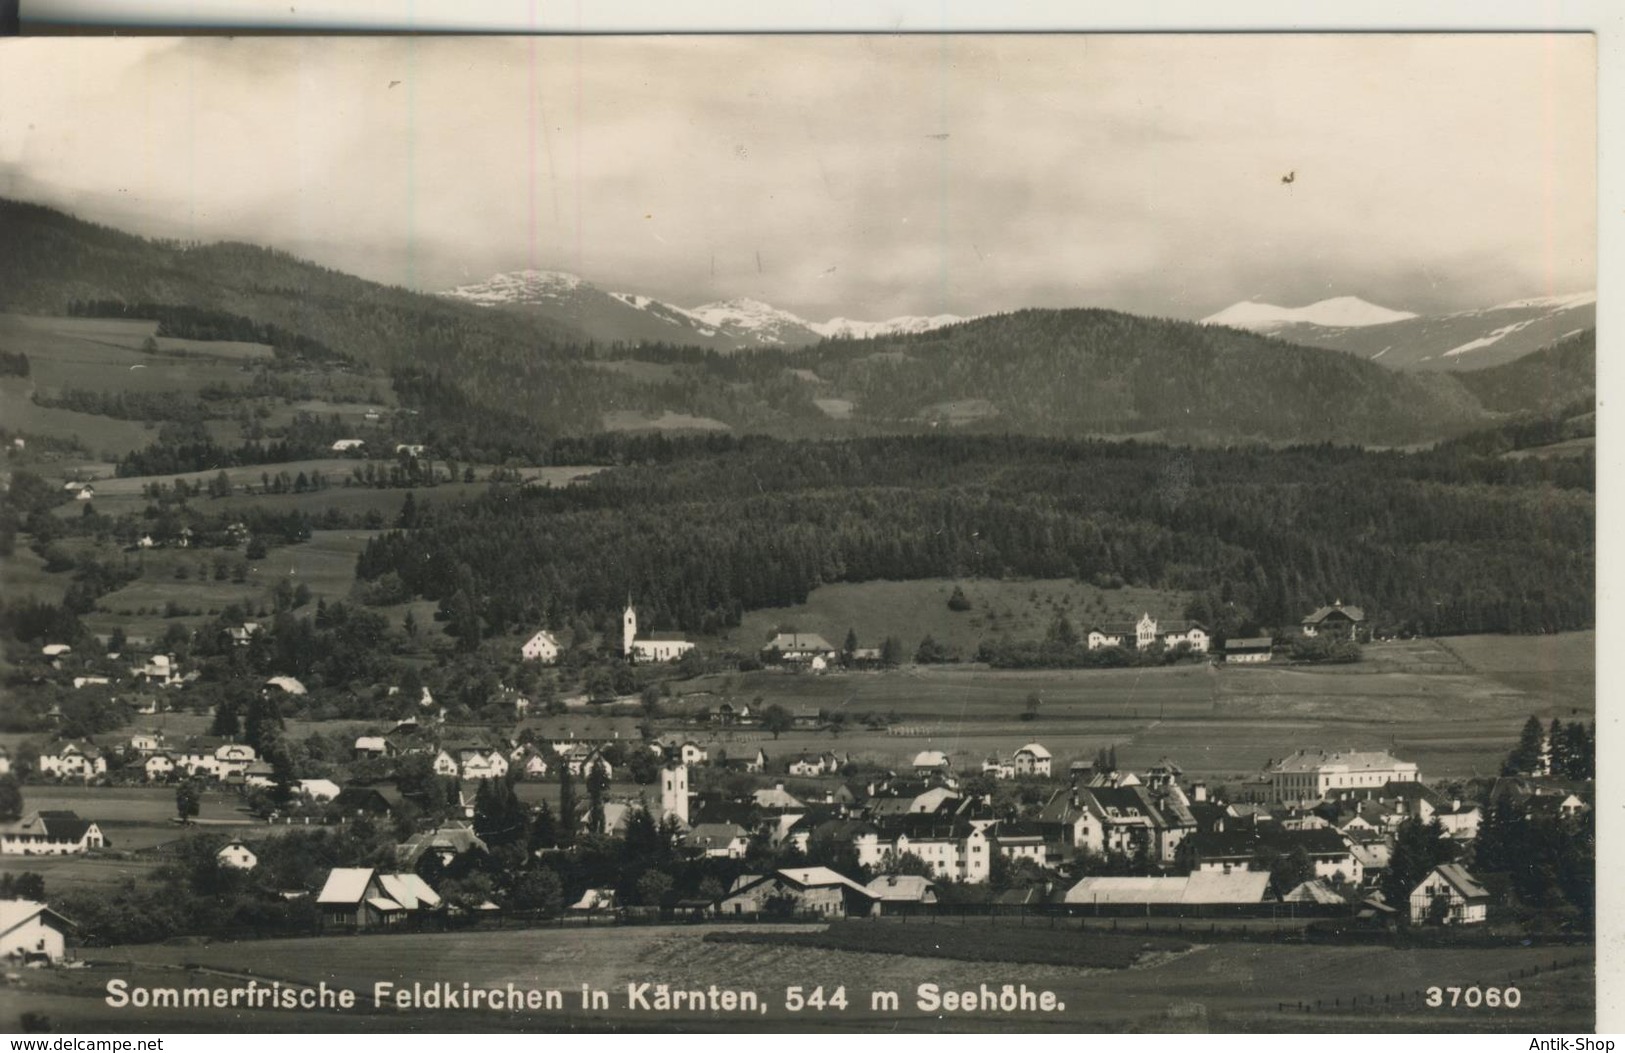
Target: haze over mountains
735,324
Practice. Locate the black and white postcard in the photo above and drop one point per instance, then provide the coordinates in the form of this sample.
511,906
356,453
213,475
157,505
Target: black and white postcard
1056,532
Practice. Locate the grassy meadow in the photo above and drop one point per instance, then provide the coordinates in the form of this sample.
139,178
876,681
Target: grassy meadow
1215,721
912,610
1225,986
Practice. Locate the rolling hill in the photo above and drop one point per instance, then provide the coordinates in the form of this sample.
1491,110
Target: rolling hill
481,362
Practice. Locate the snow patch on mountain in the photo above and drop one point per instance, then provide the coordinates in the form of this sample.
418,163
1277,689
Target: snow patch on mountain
1493,337
910,323
754,321
1339,312
528,286
1550,303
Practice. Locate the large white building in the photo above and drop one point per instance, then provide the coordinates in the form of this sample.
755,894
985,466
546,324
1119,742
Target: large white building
1145,633
1308,776
651,650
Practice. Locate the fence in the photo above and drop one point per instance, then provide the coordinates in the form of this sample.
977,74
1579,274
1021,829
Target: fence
1417,998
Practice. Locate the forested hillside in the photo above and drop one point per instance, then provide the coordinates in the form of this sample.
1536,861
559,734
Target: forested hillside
1083,372
1557,377
1437,542
493,382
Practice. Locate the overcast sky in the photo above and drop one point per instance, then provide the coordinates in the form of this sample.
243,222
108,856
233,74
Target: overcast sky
857,176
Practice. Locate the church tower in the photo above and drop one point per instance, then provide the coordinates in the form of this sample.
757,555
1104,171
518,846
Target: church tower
674,791
629,628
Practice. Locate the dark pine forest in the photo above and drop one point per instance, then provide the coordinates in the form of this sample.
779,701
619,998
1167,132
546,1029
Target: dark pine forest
1440,541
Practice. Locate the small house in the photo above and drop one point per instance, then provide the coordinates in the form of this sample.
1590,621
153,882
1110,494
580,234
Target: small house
1450,896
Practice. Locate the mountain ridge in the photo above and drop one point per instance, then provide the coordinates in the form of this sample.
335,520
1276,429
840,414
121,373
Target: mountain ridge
736,323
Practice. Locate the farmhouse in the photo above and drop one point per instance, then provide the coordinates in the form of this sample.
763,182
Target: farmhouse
237,856
319,790
1450,895
661,647
445,842
1336,621
32,931
159,767
802,890
347,445
898,891
145,742
371,746
718,841
1032,759
928,761
799,649
242,635
72,760
49,833
161,670
361,898
1247,650
543,647
1307,776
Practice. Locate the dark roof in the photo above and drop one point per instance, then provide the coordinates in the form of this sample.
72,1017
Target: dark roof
925,827
1245,844
1013,829
1338,610
1248,643
1127,800
840,829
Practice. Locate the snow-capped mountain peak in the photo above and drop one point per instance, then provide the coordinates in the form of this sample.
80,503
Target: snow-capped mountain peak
757,322
527,286
1339,312
908,323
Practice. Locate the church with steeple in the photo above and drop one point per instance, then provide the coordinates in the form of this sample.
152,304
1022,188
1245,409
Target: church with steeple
660,647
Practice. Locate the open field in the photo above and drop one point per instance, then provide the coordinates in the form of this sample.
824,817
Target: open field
132,818
1410,696
325,563
912,610
636,420
1224,986
120,496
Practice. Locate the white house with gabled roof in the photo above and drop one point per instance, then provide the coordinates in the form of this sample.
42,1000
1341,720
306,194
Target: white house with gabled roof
1032,759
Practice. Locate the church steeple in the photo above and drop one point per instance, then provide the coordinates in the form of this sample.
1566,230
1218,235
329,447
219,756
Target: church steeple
629,627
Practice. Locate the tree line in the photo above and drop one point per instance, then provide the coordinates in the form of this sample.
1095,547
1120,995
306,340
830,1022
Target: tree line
1428,542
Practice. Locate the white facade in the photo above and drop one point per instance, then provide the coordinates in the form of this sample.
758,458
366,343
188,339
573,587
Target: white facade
674,791
1308,775
543,647
648,650
73,762
29,928
237,856
1032,759
963,858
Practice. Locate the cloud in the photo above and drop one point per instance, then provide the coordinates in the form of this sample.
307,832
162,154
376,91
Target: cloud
931,173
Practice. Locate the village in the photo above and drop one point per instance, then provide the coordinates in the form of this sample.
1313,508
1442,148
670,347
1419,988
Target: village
479,826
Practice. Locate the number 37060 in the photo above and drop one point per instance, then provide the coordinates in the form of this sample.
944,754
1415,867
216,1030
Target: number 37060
1474,997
